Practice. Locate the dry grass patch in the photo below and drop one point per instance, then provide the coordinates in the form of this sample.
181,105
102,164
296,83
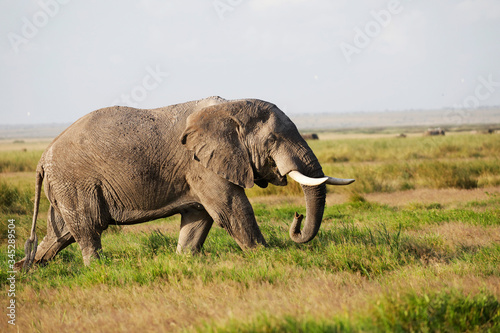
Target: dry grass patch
165,306
190,304
440,276
457,235
428,196
21,144
449,196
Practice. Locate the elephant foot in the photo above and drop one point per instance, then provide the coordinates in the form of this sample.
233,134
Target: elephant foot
18,266
90,255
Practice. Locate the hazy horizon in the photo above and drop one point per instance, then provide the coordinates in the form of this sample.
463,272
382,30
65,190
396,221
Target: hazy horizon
63,59
482,119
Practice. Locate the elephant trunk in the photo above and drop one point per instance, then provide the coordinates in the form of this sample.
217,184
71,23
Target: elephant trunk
315,205
308,173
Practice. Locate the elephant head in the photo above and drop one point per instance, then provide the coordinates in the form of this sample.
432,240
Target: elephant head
251,142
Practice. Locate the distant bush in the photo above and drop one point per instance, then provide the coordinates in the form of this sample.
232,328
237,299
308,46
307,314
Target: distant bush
355,197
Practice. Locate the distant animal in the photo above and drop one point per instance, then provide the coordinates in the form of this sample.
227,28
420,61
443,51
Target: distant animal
401,136
310,136
121,165
434,131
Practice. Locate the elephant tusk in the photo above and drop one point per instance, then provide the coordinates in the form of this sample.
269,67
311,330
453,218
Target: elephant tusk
339,181
304,180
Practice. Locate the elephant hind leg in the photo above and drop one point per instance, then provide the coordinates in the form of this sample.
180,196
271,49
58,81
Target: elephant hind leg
91,248
58,237
195,225
87,232
87,221
49,247
88,238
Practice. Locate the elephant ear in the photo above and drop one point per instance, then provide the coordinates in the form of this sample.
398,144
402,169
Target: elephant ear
214,135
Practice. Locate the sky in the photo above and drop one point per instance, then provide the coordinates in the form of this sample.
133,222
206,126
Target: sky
61,59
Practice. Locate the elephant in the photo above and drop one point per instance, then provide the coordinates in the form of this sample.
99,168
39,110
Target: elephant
434,131
310,136
121,166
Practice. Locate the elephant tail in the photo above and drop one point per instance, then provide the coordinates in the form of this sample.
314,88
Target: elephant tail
31,244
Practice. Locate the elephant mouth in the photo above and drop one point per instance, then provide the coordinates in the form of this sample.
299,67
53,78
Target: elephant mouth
276,180
273,176
261,183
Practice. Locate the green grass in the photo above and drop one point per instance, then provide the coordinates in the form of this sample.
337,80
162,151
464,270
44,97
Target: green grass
382,244
13,200
19,160
415,267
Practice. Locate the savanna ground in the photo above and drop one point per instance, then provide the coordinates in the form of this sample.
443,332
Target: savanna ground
412,246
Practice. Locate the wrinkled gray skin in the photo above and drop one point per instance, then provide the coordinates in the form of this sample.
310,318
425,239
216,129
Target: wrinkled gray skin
121,165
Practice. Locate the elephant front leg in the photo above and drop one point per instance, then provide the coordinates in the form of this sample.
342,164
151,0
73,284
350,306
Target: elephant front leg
239,221
228,204
195,225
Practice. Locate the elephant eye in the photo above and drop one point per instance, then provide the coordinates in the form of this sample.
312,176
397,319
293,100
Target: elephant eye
271,139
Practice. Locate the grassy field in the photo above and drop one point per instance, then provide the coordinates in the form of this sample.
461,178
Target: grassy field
412,246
